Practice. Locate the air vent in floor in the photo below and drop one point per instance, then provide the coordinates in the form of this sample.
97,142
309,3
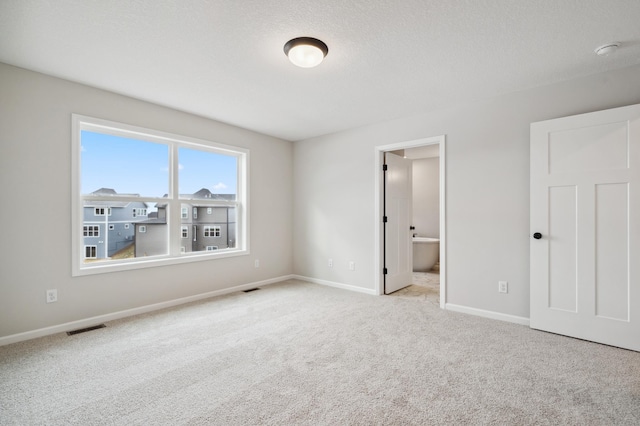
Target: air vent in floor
84,330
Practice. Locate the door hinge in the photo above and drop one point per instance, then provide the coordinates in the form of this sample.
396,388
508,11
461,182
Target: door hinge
384,167
384,271
384,219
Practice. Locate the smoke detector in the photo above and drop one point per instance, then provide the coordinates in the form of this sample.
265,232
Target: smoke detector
607,49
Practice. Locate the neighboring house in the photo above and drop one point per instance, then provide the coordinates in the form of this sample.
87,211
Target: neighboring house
108,226
203,227
151,234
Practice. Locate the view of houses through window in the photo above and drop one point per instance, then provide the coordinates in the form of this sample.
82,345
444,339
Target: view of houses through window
139,235
128,209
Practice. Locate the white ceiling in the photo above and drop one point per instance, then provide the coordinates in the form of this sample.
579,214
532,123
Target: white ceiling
223,59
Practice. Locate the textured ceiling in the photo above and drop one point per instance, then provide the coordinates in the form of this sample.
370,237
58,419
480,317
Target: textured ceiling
223,59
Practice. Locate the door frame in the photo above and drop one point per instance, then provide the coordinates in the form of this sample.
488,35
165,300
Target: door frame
379,208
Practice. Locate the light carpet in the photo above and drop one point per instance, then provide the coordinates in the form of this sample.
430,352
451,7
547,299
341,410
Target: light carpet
300,353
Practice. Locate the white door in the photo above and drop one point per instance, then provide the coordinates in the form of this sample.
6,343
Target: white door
398,244
585,226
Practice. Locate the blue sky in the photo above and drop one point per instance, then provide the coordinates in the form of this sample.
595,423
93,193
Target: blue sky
133,166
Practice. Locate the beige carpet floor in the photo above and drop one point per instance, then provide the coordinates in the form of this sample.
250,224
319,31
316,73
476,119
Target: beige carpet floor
300,353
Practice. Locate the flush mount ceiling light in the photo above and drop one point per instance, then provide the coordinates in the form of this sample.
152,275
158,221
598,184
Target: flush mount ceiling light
607,49
305,52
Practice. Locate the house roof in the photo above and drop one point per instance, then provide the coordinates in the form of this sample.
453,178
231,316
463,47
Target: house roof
205,194
113,204
202,194
152,221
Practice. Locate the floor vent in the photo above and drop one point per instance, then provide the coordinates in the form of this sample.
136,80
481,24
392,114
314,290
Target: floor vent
250,290
84,330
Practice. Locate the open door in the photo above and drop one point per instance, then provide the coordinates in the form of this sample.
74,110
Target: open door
585,226
398,251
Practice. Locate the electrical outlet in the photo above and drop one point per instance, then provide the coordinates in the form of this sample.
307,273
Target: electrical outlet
52,296
330,263
256,263
352,265
503,287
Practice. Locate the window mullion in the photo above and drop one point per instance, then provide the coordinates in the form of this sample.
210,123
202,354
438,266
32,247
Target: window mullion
175,220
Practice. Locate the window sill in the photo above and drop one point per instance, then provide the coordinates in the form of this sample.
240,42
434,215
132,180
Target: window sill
153,262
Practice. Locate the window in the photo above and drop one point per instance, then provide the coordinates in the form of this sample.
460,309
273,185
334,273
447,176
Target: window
155,178
90,252
91,231
212,248
139,212
112,227
211,231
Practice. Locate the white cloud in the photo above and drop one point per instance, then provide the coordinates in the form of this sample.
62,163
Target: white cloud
166,169
220,185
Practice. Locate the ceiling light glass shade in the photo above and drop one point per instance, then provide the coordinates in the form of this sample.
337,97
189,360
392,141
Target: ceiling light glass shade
306,52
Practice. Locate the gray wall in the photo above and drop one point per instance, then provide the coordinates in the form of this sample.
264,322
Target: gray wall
35,169
426,197
331,180
487,178
151,242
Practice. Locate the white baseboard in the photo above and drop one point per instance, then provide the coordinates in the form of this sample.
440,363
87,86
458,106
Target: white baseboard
336,285
487,314
88,322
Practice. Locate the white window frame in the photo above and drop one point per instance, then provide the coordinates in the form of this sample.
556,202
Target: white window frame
94,247
91,229
126,226
139,212
184,232
174,142
214,231
142,229
184,212
106,211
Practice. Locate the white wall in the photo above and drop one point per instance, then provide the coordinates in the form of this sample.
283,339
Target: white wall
426,197
35,254
487,180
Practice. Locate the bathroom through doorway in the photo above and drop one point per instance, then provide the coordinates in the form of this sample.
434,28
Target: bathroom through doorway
395,235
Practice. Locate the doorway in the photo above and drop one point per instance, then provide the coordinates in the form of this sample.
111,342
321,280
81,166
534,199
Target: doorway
381,248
